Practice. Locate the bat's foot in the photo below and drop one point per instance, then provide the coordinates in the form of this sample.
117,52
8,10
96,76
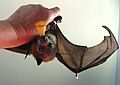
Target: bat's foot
76,76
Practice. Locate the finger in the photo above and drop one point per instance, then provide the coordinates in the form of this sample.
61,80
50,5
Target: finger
53,12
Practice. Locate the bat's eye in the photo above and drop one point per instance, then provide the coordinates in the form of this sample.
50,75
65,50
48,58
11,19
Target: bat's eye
40,48
50,45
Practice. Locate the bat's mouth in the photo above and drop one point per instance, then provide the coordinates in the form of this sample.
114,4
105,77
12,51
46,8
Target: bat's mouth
47,58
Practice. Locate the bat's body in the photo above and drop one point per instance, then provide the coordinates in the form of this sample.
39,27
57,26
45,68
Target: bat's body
74,57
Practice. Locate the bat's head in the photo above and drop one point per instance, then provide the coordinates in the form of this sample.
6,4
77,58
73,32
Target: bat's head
44,48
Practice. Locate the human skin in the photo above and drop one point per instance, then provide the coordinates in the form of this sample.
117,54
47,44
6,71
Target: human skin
20,28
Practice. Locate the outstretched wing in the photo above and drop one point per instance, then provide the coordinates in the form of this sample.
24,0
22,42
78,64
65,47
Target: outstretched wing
79,58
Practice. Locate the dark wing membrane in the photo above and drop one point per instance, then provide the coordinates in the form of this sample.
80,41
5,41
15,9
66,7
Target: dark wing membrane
22,49
79,58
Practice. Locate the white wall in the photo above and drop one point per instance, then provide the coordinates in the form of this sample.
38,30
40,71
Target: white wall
117,76
82,21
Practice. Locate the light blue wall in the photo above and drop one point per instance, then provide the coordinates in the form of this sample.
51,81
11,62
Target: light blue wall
82,21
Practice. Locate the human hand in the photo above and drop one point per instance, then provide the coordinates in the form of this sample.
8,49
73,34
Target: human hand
23,20
29,14
26,17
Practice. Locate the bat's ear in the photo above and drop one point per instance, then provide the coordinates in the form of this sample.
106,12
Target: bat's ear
36,54
39,61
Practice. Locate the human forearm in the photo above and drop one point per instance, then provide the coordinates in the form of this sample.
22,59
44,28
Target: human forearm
12,34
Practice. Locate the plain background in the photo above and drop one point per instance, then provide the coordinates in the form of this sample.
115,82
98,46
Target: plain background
82,21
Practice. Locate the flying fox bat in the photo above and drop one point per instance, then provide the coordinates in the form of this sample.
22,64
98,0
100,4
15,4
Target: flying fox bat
76,58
